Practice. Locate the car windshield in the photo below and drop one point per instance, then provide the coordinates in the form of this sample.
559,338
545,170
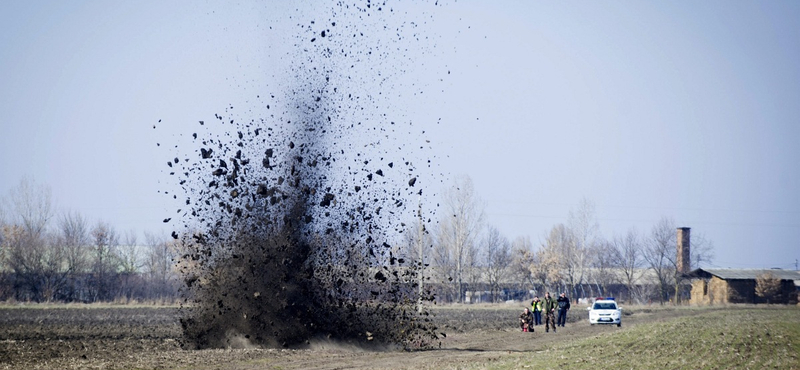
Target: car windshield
605,306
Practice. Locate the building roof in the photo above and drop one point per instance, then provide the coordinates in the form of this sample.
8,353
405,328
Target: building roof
744,274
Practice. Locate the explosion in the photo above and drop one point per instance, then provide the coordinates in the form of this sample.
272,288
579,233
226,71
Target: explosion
291,214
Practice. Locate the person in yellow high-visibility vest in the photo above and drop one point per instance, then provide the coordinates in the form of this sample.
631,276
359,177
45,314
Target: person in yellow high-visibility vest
536,308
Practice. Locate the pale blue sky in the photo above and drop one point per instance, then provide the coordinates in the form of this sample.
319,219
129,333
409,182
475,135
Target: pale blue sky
681,109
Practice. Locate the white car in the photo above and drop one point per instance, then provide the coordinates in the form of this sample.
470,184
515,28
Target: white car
605,311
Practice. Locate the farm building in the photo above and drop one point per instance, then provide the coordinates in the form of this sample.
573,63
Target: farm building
719,286
595,282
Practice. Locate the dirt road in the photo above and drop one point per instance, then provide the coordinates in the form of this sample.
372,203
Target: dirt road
488,333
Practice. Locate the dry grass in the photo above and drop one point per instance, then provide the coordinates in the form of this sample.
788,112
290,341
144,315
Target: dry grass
732,338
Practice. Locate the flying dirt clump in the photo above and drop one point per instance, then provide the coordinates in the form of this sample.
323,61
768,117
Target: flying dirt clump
280,256
290,213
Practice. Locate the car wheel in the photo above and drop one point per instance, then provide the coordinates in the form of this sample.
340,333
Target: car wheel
620,324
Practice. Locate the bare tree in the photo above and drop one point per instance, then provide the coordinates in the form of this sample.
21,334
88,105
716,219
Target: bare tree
497,251
37,262
644,292
548,267
104,261
471,267
658,252
128,253
603,266
33,254
53,274
443,260
32,206
416,243
74,237
69,262
460,225
702,250
628,256
522,259
415,249
768,286
128,258
22,256
577,256
159,267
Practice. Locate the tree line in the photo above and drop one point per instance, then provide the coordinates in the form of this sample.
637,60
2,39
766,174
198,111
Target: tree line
59,256
47,255
573,257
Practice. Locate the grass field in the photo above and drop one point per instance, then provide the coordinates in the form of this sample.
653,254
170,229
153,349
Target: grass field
478,337
752,338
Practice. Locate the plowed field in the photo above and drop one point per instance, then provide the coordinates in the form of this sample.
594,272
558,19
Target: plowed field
35,337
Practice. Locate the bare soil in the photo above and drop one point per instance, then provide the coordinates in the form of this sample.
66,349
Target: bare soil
150,338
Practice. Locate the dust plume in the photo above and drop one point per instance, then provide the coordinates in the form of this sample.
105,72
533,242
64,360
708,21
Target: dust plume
291,212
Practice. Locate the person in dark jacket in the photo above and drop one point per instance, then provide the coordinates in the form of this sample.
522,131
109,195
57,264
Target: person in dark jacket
549,307
563,307
526,321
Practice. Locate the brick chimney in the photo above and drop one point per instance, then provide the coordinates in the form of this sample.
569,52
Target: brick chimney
684,260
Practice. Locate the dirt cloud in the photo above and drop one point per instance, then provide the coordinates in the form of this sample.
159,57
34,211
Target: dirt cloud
291,212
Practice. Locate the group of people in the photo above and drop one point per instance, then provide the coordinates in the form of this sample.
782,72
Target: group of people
533,316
